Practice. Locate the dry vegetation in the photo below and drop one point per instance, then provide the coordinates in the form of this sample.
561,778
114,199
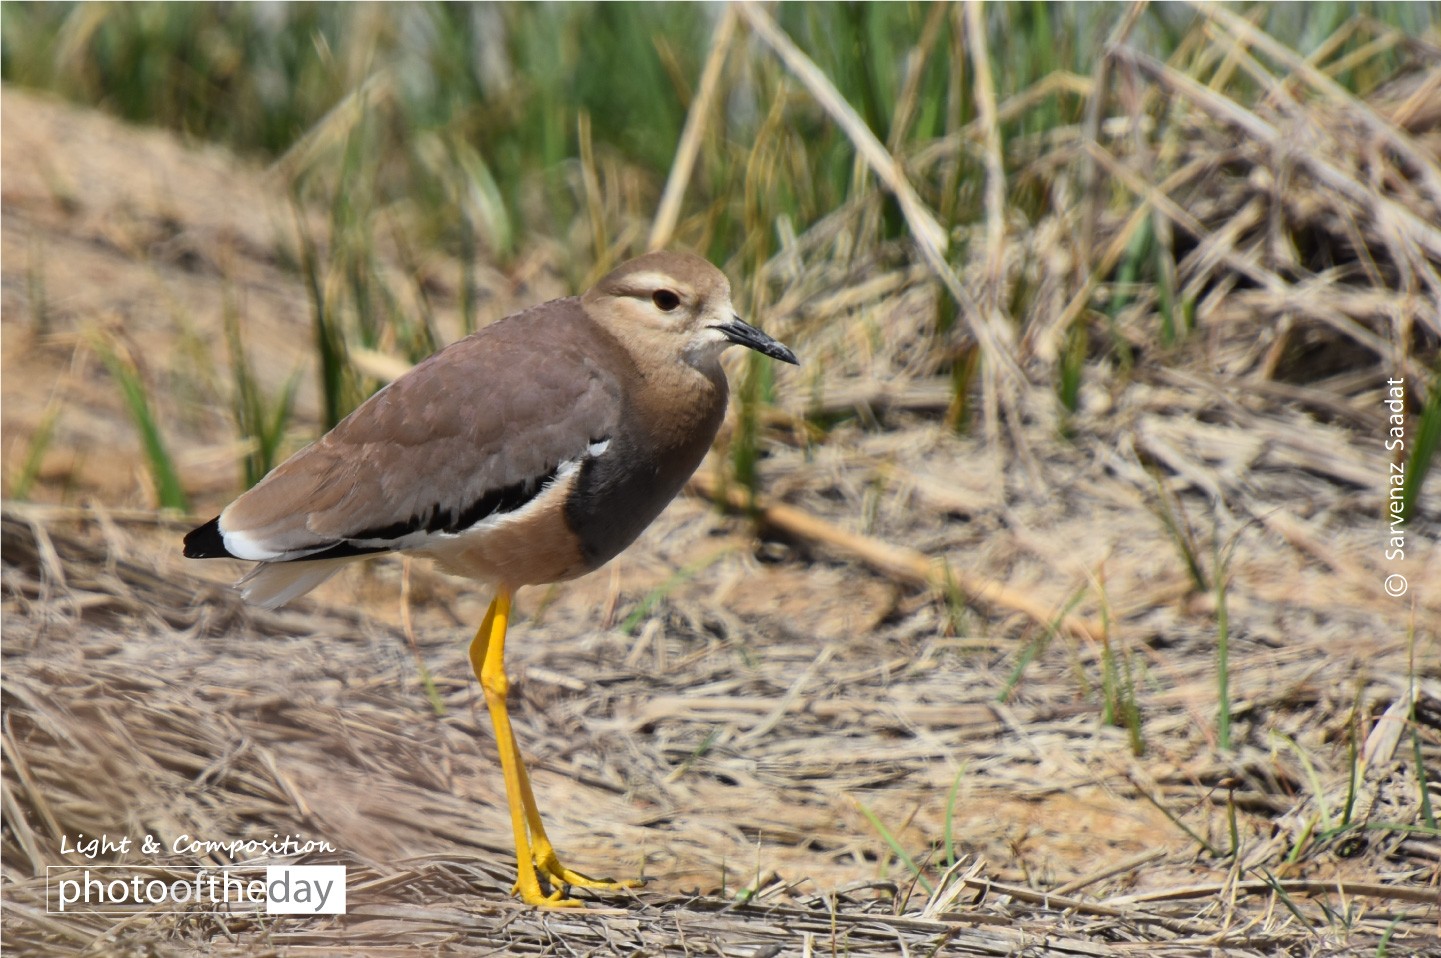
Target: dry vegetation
953,691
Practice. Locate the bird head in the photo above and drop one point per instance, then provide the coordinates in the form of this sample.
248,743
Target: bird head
677,302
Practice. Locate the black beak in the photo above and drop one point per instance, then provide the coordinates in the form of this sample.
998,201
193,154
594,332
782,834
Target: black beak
743,333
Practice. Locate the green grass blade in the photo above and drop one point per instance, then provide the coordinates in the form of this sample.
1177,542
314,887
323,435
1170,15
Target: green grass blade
947,831
169,493
895,846
1423,453
1223,666
35,454
1034,649
1428,813
329,344
654,596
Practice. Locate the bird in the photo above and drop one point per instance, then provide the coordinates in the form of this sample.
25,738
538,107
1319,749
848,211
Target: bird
532,451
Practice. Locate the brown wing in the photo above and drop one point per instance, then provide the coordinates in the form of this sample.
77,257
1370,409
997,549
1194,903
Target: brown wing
477,428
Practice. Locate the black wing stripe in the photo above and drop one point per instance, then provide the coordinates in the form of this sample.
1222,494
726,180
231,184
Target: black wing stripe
437,519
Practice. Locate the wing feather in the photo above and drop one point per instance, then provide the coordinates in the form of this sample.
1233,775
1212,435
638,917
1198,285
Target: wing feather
480,427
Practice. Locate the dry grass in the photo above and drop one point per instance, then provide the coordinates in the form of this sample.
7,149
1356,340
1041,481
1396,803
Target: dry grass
736,731
715,751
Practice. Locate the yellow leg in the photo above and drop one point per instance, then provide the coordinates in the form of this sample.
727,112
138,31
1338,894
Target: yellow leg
532,847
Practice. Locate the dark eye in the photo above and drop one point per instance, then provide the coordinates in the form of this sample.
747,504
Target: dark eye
665,300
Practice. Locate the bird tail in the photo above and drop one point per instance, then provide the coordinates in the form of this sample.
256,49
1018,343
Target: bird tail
272,584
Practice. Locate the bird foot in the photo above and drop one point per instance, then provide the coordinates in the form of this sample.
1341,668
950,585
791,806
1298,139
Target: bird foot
560,880
539,899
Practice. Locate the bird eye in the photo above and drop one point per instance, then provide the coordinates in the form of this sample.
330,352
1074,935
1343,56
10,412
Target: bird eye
665,300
